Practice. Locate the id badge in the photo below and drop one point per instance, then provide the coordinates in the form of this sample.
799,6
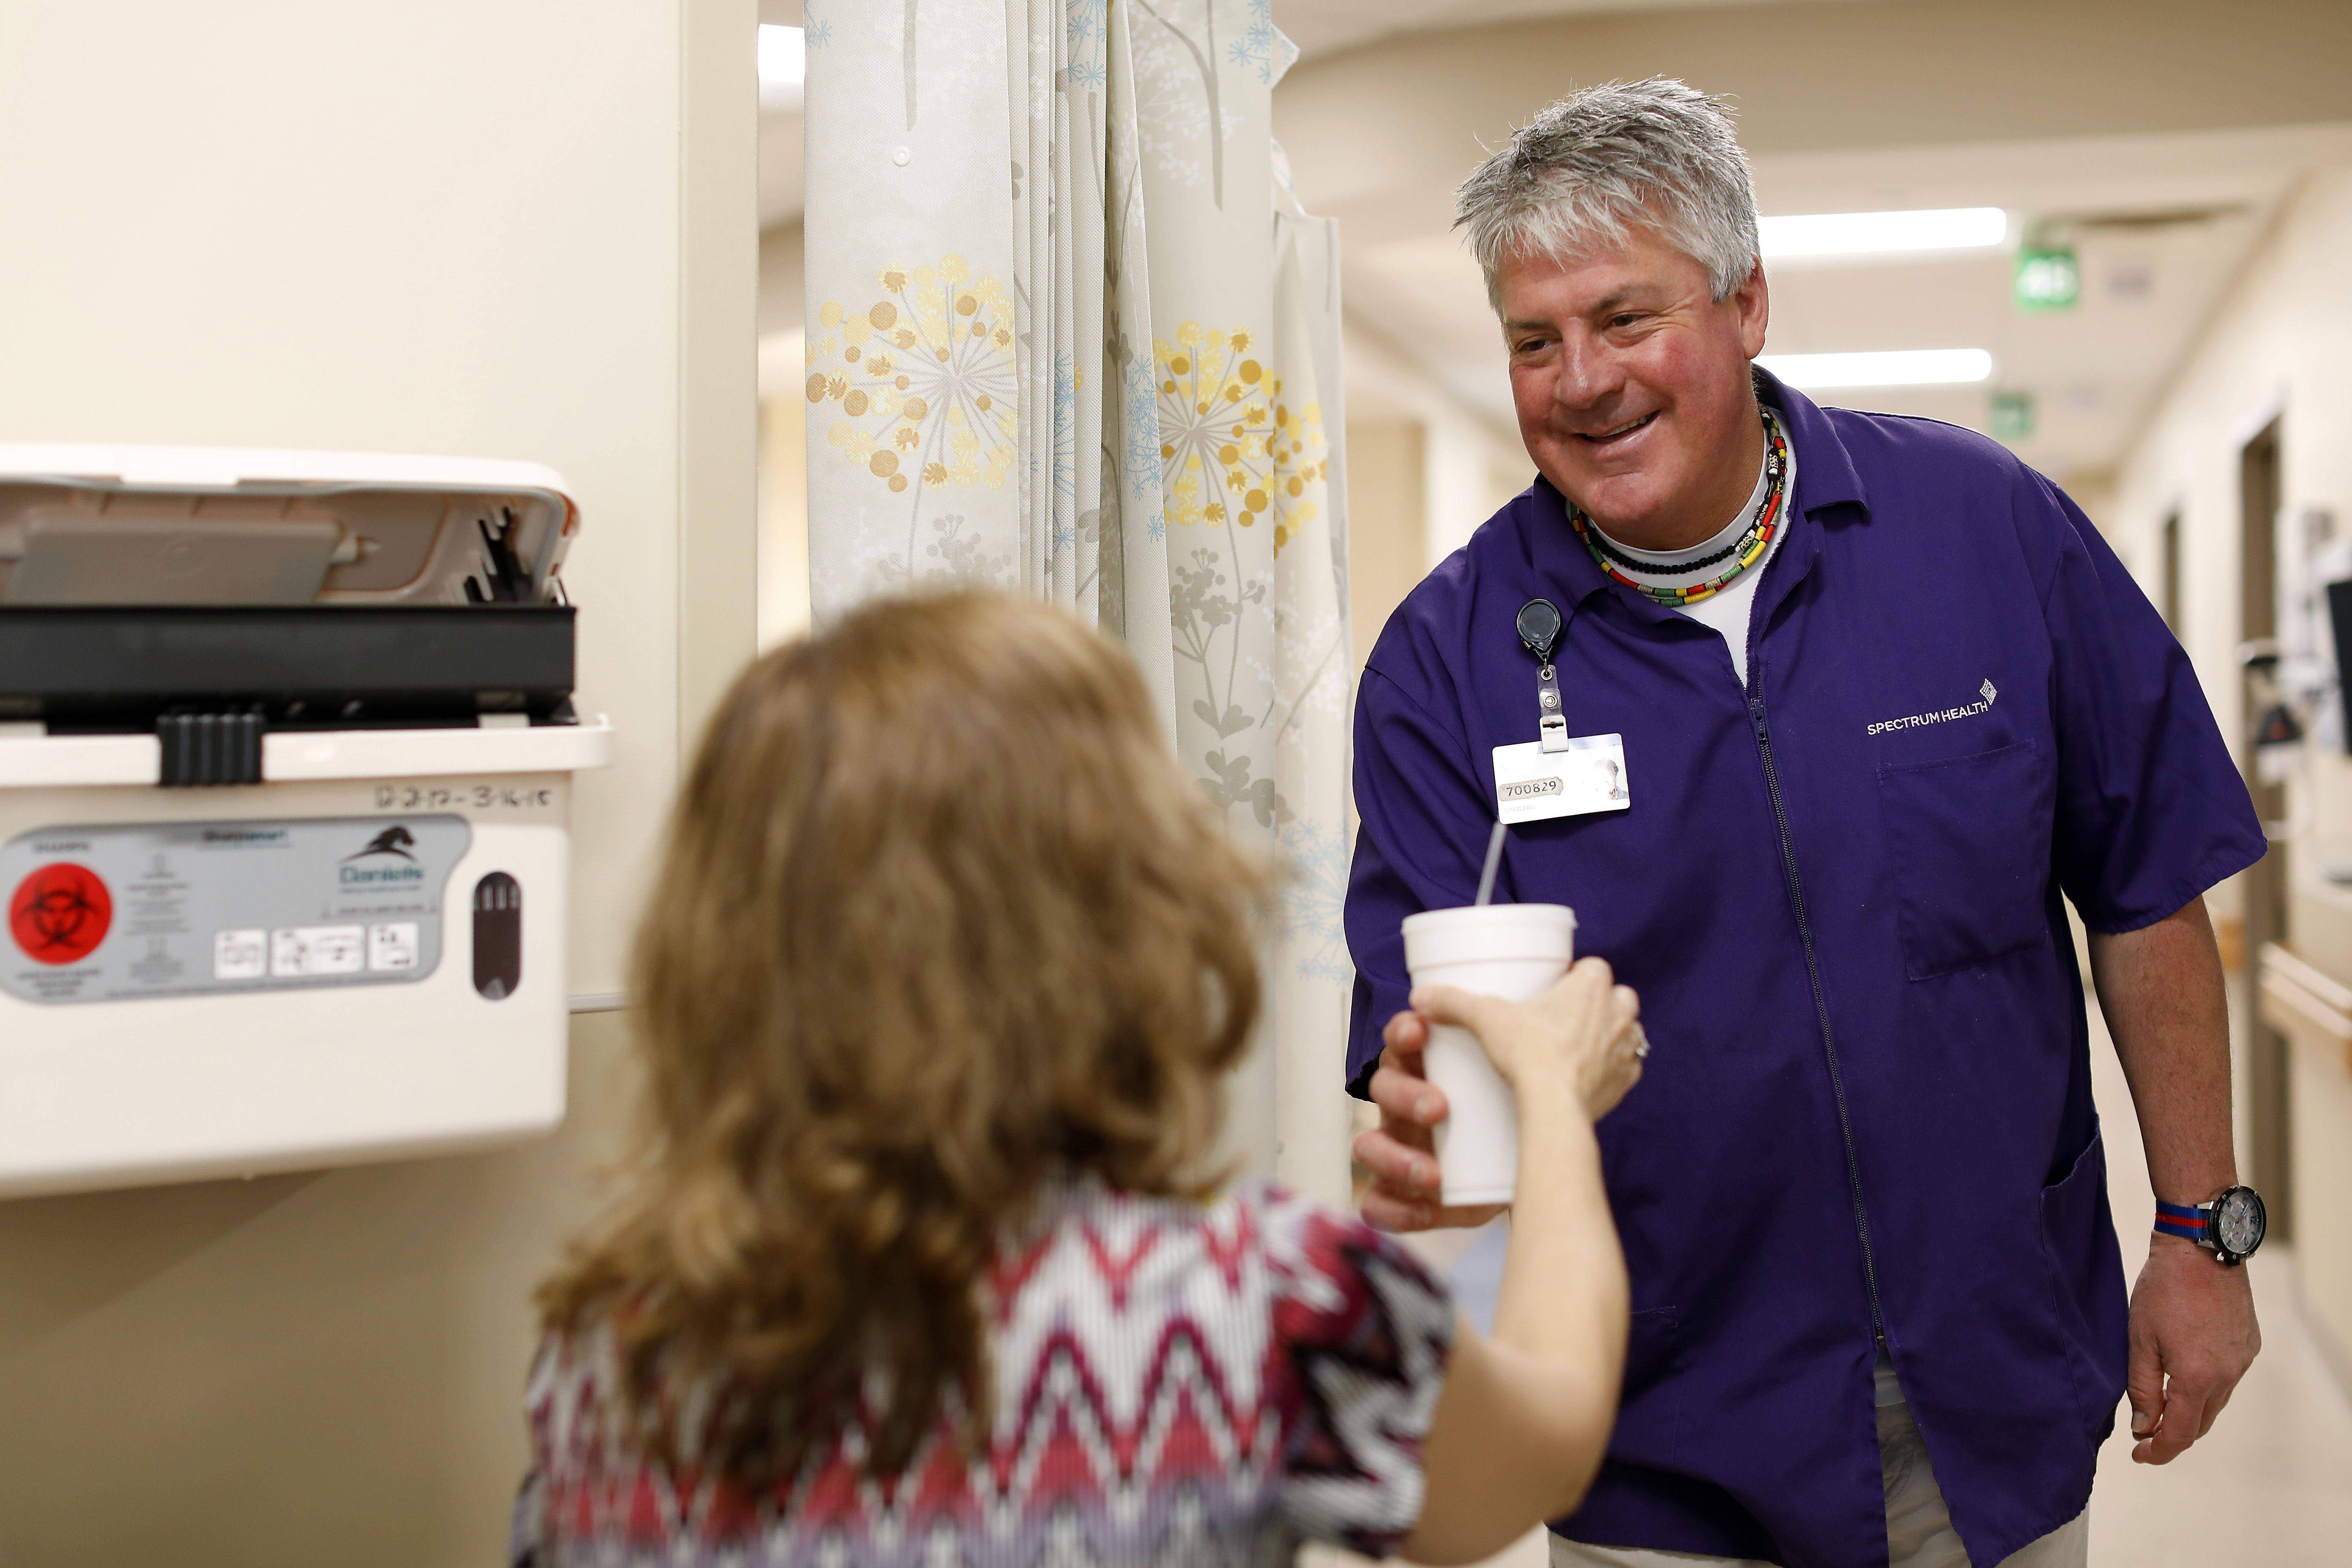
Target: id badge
1532,785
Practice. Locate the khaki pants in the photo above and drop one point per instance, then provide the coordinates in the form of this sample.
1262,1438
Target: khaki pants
1918,1532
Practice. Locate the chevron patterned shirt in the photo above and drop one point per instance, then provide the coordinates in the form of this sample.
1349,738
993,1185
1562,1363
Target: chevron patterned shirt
1174,1385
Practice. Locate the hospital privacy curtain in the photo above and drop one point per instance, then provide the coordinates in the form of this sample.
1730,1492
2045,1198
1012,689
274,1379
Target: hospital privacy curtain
1069,332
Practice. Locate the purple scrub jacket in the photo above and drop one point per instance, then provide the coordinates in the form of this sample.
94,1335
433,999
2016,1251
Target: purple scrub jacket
1838,890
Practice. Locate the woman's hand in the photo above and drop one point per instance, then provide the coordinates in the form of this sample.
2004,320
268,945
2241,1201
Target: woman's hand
1584,1031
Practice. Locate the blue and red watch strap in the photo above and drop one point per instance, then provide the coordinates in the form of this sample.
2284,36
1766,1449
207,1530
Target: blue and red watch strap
2185,1221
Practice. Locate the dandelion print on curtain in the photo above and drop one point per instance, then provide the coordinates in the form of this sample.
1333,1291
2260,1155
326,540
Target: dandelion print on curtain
1071,333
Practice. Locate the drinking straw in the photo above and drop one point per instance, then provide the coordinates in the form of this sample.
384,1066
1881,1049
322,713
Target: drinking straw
1494,864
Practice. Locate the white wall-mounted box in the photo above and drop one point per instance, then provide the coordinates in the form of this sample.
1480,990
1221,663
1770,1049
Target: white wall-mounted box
286,762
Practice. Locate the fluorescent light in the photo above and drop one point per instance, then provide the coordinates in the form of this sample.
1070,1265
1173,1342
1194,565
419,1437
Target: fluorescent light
1870,234
1900,367
784,63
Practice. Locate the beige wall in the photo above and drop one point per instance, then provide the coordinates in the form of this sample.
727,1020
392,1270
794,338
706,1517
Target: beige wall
784,278
783,435
1386,543
290,1370
514,228
1469,464
783,503
2279,345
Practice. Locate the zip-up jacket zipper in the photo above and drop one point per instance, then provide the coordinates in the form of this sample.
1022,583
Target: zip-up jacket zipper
1813,974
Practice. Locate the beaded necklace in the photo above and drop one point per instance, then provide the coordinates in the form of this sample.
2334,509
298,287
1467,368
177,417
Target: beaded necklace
1742,553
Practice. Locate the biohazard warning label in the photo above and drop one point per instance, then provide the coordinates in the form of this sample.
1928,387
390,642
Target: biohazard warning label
124,911
60,913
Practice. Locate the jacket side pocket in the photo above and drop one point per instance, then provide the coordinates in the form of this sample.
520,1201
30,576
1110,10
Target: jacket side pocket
2087,1278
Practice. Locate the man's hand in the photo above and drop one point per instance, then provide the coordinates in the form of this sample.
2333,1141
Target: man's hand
1583,1034
2193,1335
1400,1153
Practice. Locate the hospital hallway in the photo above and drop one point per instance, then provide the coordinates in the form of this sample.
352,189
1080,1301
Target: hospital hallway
415,420
2282,1448
2154,316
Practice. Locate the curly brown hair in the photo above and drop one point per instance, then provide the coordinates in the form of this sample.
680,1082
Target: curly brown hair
939,923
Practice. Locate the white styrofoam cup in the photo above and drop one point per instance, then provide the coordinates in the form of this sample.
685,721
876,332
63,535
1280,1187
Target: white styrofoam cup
1511,951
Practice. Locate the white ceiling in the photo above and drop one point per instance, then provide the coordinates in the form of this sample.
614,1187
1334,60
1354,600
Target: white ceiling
2093,371
781,187
1319,26
1316,27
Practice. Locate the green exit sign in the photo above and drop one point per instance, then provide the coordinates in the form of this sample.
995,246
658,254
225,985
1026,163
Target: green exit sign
2012,416
2048,279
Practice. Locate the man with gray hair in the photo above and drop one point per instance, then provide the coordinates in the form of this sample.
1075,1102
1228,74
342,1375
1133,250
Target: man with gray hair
1880,700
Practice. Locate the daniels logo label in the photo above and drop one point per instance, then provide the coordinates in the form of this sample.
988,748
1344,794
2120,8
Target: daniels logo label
1985,695
1530,788
387,861
244,836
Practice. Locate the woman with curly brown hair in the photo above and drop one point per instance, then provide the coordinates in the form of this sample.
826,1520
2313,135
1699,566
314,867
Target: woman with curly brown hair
921,1261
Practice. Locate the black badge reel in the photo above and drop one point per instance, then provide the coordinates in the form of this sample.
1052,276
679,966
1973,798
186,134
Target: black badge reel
1540,626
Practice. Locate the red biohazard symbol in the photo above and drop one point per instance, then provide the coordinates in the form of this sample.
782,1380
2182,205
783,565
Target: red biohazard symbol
60,913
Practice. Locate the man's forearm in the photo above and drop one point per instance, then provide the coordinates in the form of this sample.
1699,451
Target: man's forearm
2193,1332
2161,990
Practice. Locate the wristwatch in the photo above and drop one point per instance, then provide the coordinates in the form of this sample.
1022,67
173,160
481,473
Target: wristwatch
2231,1225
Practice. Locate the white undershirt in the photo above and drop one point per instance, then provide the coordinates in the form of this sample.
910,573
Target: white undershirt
1725,609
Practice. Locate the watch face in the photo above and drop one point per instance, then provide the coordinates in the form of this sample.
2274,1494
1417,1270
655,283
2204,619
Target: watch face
2238,1221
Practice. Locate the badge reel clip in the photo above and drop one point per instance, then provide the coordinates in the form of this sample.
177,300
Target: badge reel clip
1540,626
1556,774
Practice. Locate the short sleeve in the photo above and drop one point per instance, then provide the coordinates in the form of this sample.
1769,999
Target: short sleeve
1424,815
1362,1332
2151,809
527,1523
527,1541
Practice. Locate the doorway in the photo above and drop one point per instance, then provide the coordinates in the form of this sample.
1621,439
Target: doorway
2270,1158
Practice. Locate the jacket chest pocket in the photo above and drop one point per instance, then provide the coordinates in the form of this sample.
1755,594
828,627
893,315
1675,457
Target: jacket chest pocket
1969,845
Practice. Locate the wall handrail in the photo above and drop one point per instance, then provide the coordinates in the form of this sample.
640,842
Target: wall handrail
2303,1004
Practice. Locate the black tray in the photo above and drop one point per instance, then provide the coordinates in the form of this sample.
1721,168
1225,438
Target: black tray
297,666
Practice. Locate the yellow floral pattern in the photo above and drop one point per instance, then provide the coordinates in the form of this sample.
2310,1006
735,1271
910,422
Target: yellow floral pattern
924,379
1231,450
1302,461
1213,428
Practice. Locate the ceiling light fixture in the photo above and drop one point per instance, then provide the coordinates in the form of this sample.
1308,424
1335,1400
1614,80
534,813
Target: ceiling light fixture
1877,234
1899,367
